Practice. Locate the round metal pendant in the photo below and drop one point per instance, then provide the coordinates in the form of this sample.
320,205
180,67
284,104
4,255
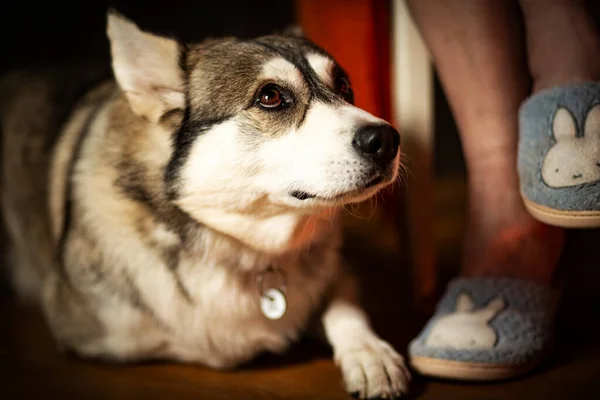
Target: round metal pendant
273,304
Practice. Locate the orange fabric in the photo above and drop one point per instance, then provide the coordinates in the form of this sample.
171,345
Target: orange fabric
356,33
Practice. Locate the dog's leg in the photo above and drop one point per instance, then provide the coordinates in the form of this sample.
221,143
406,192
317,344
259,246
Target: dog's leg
370,366
127,336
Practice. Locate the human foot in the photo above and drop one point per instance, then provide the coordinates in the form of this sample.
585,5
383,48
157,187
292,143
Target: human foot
559,155
527,250
559,125
496,321
486,329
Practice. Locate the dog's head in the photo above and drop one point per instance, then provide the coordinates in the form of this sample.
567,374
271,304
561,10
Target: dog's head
264,126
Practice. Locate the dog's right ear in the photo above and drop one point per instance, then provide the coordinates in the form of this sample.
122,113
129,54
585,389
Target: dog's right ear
146,67
293,31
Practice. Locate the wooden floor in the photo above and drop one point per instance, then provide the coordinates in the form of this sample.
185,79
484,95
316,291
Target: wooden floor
32,368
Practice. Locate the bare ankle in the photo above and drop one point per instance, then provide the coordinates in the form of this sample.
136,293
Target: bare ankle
562,42
561,80
527,250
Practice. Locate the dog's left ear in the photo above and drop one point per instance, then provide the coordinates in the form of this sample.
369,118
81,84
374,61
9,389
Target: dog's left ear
293,31
146,67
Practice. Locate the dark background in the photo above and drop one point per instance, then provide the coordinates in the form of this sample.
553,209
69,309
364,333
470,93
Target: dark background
57,31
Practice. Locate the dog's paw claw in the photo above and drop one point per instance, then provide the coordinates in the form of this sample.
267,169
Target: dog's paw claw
374,370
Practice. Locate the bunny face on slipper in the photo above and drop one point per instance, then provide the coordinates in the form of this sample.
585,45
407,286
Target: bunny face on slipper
466,327
574,159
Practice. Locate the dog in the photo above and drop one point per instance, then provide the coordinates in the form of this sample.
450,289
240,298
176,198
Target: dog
185,209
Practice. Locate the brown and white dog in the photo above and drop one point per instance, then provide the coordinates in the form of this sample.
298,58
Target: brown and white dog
186,211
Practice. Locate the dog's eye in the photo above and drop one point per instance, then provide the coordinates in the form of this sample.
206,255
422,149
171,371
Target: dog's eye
343,87
270,97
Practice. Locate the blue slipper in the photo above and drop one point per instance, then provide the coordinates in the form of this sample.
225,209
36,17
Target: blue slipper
486,329
559,155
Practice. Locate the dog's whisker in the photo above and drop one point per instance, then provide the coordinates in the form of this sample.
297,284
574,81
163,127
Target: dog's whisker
373,208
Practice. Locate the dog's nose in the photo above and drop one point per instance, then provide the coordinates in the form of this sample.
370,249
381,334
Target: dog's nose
378,143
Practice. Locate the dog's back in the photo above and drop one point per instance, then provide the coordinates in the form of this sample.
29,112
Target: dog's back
34,105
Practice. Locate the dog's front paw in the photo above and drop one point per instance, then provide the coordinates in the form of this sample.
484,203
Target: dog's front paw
373,369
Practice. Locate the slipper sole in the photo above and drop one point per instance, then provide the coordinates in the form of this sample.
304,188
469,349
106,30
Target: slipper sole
563,219
469,371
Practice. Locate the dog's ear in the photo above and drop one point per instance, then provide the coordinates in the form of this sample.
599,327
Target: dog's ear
146,67
293,31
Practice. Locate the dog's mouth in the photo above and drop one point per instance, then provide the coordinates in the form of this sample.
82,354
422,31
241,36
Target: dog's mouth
301,195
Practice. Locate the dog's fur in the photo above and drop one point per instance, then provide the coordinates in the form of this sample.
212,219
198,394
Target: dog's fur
144,217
